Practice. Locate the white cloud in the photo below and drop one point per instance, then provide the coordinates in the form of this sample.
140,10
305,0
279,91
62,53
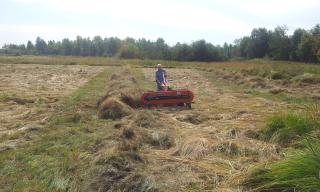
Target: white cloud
157,12
194,19
276,8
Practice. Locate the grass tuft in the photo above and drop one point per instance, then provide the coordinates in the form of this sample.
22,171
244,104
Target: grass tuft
298,173
284,128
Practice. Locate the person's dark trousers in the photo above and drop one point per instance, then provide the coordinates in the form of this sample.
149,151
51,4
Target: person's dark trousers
159,88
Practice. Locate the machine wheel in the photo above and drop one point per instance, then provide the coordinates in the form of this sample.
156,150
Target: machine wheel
180,104
188,105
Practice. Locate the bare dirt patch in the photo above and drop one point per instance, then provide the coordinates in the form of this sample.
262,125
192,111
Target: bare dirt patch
29,93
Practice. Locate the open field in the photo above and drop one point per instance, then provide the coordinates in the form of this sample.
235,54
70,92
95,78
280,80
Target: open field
29,94
68,127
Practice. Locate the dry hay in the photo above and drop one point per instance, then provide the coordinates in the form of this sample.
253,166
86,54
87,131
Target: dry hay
193,118
161,140
127,133
115,77
112,108
129,145
122,92
135,132
307,78
261,152
131,97
117,125
277,75
147,119
277,91
228,148
233,133
314,112
131,138
136,182
115,173
193,148
257,82
20,101
252,134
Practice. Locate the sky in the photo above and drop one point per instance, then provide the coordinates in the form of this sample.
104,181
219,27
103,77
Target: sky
216,21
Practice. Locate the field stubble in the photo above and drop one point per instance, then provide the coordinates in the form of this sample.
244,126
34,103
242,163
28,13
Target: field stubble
29,94
210,147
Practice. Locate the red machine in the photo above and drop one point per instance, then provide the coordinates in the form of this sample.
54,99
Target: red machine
168,97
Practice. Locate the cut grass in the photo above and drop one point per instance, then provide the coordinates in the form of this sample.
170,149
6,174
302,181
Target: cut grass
57,157
292,99
260,66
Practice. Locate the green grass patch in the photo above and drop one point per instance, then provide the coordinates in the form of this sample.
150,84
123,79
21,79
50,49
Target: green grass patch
300,172
141,80
283,128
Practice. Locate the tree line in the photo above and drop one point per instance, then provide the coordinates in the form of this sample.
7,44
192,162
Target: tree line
302,45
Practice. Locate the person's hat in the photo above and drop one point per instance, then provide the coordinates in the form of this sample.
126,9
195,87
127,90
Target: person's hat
159,65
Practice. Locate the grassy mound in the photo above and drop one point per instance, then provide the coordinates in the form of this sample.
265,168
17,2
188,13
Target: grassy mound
116,173
112,108
161,140
193,148
122,94
148,119
131,97
228,148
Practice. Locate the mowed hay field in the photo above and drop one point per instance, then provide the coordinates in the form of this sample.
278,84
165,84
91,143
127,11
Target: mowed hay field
76,124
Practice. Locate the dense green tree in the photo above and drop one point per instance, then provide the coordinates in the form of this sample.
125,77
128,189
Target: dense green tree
295,41
112,46
308,48
98,47
181,52
52,48
316,30
66,47
279,44
227,50
129,50
258,46
200,51
244,47
41,46
30,46
162,49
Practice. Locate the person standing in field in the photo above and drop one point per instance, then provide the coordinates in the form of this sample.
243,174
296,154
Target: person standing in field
161,77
